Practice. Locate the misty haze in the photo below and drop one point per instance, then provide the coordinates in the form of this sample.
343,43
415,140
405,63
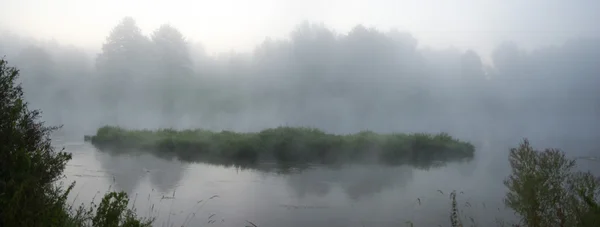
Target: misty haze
296,113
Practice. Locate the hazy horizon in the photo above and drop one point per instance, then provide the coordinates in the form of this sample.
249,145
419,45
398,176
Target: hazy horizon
225,26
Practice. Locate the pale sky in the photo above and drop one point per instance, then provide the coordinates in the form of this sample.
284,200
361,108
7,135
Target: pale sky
224,25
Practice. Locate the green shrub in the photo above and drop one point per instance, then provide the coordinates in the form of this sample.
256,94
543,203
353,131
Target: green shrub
111,212
29,166
545,190
288,145
30,169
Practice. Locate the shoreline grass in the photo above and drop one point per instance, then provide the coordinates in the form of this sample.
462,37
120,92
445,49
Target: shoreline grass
287,145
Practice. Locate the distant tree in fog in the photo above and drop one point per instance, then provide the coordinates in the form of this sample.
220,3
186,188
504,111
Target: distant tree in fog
173,68
340,82
125,50
472,68
172,52
123,61
510,60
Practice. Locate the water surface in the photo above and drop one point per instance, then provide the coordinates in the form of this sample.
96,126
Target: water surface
198,194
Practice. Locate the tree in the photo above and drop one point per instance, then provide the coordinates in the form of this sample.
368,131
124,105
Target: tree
173,68
509,60
124,58
30,169
471,66
545,190
29,165
172,51
125,50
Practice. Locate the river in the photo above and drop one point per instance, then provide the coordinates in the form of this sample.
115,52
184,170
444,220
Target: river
198,194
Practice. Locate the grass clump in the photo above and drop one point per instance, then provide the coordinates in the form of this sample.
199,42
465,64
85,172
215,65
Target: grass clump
112,211
30,169
289,145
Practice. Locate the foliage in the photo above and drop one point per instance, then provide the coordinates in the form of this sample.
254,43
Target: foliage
172,68
125,43
172,52
30,169
111,212
545,190
288,145
29,166
125,54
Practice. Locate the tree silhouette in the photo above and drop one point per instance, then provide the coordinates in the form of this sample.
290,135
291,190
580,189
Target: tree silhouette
173,66
124,58
172,51
29,165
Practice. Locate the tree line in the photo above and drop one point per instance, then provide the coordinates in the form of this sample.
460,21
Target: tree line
363,79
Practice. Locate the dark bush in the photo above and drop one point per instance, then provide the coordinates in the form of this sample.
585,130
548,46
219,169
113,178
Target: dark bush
30,169
289,145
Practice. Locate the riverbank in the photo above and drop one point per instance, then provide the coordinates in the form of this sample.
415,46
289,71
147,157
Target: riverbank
287,145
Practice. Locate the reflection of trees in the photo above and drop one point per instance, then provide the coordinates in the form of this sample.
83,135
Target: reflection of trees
130,168
357,181
309,182
126,172
164,174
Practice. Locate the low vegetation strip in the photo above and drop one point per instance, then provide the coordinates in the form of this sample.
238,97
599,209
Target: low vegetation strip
291,145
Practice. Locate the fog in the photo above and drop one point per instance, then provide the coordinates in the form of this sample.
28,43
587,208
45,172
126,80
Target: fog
338,82
488,72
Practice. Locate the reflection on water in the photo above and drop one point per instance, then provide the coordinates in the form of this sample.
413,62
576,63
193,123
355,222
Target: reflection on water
194,194
128,170
354,181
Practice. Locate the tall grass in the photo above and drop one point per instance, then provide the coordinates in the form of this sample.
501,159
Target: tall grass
288,145
112,211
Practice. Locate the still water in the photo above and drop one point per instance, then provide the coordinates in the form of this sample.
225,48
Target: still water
197,194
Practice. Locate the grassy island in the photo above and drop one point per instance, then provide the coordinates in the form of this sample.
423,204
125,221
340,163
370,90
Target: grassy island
289,145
